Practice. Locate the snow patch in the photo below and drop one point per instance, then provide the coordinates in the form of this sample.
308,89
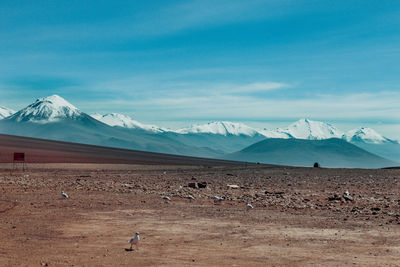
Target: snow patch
274,133
5,112
221,127
115,119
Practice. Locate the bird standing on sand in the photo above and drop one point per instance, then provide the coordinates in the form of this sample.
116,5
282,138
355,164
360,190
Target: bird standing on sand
218,199
64,194
166,198
249,206
346,193
135,241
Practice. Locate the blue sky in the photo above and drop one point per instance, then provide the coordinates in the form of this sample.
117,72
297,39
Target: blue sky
173,63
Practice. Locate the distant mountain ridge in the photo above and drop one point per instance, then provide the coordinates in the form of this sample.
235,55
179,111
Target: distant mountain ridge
53,108
55,118
334,153
301,129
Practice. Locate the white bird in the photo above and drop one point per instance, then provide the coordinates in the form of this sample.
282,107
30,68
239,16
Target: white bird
217,198
135,241
249,206
346,193
165,198
190,197
64,194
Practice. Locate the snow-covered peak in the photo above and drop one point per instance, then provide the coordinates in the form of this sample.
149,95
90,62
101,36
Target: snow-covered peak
115,119
5,112
312,130
366,135
219,127
47,109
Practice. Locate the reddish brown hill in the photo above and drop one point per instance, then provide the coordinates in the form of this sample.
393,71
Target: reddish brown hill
48,151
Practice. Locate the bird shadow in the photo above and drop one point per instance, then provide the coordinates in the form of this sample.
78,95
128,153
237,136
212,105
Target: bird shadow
129,249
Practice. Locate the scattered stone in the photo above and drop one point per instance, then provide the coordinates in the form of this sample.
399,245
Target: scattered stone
202,185
193,185
233,186
334,197
190,197
348,198
355,209
166,198
273,193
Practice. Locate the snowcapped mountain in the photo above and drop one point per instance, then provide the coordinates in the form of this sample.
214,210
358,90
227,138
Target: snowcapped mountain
220,128
115,119
5,112
366,135
47,109
311,130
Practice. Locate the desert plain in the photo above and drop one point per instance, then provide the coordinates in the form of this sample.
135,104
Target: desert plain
300,217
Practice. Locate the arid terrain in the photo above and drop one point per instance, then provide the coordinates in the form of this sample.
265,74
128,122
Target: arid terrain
300,217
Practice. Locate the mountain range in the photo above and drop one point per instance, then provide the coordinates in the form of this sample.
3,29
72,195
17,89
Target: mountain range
302,129
230,137
333,152
55,118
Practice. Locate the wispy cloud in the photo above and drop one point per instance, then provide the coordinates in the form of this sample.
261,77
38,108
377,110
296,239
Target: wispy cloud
204,13
260,87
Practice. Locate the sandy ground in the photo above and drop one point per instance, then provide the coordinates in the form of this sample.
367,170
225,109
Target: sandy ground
296,220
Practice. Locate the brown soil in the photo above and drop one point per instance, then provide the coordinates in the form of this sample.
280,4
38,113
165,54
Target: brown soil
297,220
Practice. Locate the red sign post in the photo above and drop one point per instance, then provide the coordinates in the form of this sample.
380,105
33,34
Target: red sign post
19,158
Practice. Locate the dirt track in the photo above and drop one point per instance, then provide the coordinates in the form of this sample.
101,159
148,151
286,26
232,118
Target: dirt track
293,223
